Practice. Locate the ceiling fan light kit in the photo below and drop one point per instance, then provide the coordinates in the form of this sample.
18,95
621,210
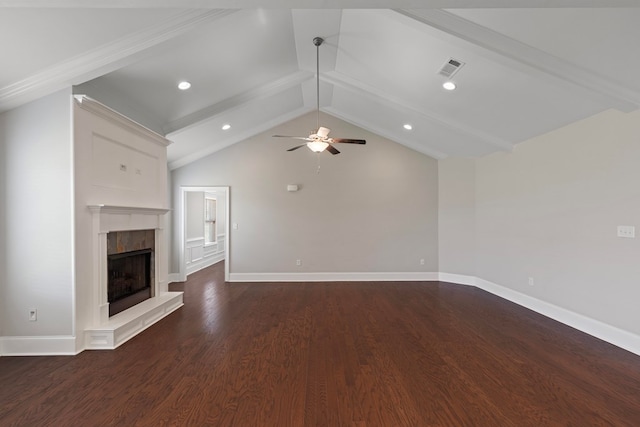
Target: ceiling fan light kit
317,146
320,141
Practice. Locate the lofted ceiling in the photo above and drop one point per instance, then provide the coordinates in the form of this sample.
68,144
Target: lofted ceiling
526,71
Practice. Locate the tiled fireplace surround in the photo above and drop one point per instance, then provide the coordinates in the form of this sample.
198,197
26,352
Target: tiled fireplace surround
109,332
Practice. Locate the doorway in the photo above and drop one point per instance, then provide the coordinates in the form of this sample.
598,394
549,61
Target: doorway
204,228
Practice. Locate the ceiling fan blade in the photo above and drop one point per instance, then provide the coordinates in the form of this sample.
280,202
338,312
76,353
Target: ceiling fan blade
348,141
295,148
332,150
304,138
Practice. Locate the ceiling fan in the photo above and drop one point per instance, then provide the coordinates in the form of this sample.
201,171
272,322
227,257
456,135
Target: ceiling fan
320,141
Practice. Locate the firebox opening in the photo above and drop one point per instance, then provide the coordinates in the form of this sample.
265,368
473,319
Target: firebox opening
129,279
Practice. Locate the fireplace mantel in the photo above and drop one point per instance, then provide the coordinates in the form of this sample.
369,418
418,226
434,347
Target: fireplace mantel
108,332
119,210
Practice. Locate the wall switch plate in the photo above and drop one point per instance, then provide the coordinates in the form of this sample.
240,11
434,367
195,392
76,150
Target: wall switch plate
422,261
298,262
628,231
235,225
33,315
531,281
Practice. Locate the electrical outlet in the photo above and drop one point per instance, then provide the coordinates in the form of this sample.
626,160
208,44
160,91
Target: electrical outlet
33,315
422,261
628,231
530,281
298,262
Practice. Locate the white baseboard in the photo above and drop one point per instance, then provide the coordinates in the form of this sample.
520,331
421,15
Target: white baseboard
458,279
174,277
38,346
595,328
333,277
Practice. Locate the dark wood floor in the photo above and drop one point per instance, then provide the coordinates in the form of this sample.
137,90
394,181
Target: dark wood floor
332,354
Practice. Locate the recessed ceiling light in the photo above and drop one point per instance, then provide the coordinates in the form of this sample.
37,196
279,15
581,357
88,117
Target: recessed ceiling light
226,126
184,85
449,85
408,126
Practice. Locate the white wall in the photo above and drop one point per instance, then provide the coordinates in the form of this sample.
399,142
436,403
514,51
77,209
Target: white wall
550,210
221,210
372,208
195,215
37,208
195,244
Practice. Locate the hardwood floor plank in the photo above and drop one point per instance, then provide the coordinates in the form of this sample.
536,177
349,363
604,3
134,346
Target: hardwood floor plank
332,354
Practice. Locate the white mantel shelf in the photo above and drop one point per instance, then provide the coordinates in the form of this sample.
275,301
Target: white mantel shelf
120,210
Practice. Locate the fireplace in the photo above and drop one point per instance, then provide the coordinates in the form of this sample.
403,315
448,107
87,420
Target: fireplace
129,279
130,268
135,235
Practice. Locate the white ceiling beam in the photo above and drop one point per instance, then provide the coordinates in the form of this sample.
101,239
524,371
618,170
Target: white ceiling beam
370,92
106,58
237,101
315,4
436,154
521,56
245,134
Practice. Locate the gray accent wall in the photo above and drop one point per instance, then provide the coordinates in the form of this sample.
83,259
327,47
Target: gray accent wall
372,208
4,134
456,216
37,218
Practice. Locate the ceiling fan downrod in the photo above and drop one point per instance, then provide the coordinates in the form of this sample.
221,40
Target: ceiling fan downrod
319,140
317,41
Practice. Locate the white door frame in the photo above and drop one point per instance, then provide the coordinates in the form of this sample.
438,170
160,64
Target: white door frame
182,273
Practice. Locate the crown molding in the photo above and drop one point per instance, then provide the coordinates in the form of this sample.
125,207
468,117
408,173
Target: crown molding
104,59
314,4
238,101
523,57
113,116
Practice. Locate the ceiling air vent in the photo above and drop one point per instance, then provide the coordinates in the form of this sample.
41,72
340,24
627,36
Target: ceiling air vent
450,67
